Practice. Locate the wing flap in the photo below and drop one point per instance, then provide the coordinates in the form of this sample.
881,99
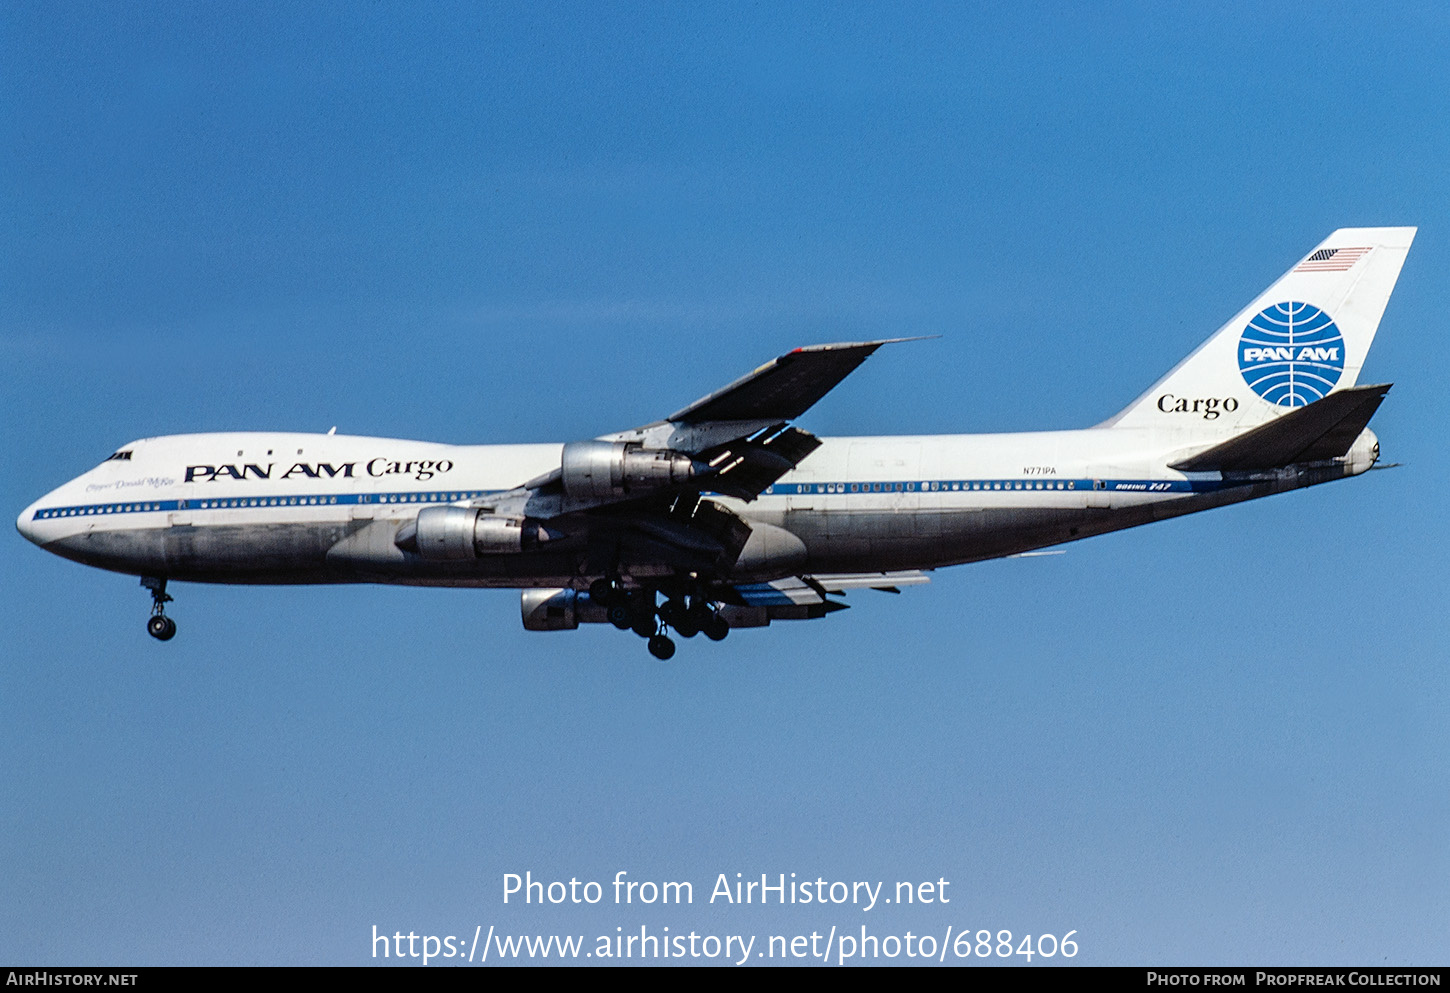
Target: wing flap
1322,430
746,466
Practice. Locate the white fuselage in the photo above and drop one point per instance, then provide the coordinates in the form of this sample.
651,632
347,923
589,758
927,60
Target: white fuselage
296,508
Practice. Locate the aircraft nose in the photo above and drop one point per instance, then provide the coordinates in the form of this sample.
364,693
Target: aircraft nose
25,524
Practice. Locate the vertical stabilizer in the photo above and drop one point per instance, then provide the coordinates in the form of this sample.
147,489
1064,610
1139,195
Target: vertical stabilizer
1304,337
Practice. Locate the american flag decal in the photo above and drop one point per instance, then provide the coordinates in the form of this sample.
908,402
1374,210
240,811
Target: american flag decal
1331,260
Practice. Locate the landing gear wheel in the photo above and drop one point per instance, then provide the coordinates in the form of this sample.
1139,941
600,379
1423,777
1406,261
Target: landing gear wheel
641,608
160,627
620,616
661,647
601,591
644,625
716,628
678,617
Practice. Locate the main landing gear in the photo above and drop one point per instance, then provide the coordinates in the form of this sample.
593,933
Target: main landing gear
636,610
159,626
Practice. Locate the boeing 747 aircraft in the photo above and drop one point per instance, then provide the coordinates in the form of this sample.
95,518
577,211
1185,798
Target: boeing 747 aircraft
725,514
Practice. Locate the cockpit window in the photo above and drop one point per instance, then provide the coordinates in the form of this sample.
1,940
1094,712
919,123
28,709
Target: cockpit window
120,457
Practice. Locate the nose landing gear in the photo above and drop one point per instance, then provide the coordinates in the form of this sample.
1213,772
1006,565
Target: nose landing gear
159,626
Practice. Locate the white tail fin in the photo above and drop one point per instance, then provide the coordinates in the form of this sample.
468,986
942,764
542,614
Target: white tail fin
1302,338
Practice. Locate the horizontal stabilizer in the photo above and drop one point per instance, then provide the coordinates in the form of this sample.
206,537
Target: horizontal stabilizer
1322,430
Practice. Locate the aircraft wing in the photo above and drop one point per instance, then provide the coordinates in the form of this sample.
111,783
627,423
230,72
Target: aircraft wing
739,432
734,442
783,388
810,590
644,494
804,597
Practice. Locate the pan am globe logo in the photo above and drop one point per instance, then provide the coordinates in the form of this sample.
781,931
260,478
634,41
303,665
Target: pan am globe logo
1291,354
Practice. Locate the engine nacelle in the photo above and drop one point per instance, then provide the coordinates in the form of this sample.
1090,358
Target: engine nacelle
558,610
612,470
454,534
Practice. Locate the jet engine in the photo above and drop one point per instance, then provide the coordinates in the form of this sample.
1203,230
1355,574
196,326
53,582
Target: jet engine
452,534
559,610
612,470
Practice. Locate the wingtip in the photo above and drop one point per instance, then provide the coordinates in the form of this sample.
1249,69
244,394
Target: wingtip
872,345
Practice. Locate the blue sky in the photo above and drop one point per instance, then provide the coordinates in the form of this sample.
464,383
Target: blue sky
1214,740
